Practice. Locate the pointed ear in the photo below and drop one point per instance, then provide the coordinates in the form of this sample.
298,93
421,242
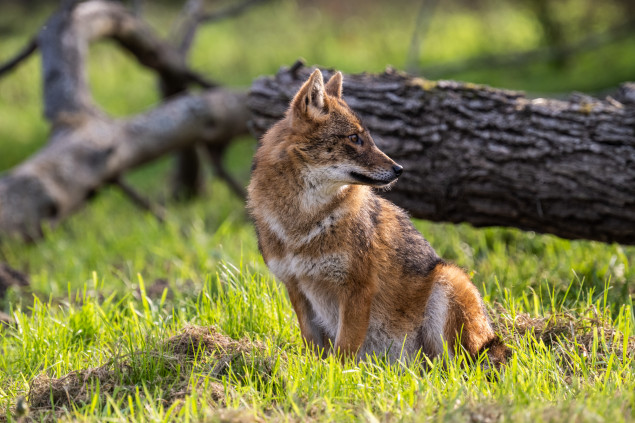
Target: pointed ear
334,86
309,101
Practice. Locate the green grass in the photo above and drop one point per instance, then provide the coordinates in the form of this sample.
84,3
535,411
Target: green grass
99,332
94,306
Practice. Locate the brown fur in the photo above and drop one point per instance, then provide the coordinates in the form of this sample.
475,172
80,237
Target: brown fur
359,275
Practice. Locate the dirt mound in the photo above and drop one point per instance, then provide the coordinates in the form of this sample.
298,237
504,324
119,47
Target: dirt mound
194,339
566,333
171,364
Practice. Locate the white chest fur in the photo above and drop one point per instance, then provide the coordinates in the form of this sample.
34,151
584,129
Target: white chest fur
329,268
295,239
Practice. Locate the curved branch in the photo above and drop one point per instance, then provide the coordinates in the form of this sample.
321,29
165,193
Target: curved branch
195,17
57,181
88,150
186,27
20,56
64,42
230,11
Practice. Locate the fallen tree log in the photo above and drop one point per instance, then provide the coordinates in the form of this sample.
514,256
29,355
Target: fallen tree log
87,149
491,157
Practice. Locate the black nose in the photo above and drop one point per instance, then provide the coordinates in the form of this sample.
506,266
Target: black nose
397,169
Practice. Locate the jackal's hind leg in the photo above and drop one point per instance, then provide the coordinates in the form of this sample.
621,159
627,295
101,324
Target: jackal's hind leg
466,319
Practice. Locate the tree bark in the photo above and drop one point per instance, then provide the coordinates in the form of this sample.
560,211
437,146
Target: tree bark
88,149
491,157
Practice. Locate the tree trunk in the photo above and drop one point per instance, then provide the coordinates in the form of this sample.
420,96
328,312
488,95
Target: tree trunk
87,149
491,157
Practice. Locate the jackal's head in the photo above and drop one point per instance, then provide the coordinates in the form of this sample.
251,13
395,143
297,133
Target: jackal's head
330,140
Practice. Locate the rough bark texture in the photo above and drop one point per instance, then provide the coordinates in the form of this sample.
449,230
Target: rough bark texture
491,157
87,149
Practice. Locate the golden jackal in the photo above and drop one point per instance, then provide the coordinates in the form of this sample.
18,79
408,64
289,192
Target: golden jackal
360,277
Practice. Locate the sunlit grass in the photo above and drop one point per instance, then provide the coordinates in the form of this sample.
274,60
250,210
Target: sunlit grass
84,330
93,281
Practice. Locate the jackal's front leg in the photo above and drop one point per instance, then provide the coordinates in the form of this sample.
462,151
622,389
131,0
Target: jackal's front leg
354,317
311,333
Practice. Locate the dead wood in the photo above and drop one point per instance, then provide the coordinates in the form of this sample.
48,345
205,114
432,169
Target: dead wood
188,180
87,149
491,157
19,57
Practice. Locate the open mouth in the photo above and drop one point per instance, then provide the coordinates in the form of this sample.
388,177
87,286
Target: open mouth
370,181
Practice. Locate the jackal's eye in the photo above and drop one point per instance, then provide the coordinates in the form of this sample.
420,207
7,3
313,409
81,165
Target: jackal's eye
355,139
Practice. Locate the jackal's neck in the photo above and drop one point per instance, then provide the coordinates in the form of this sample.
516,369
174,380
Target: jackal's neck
315,195
304,195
